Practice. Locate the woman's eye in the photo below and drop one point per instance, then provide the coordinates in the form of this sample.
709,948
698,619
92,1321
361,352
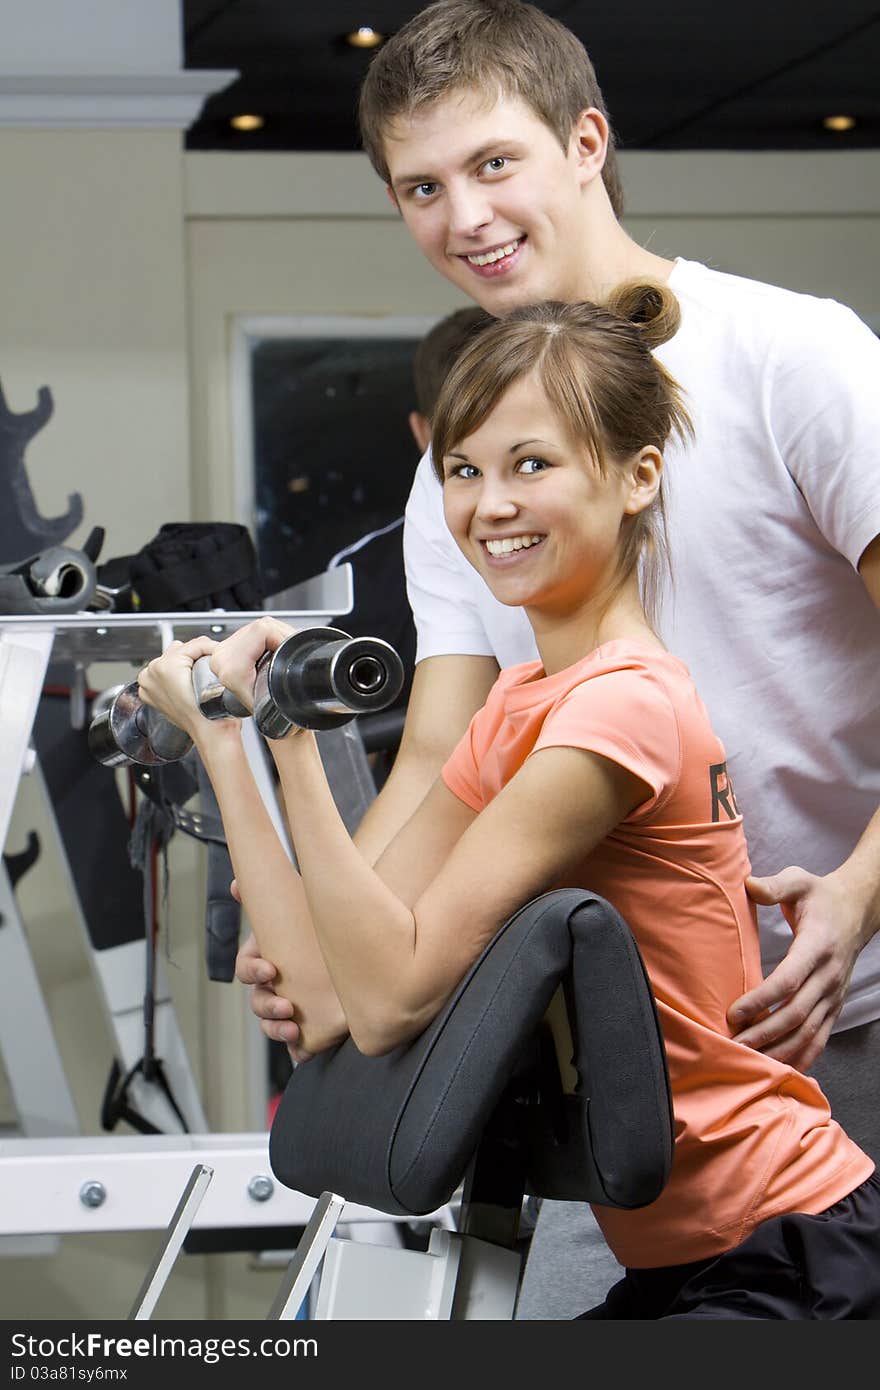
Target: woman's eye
462,470
532,465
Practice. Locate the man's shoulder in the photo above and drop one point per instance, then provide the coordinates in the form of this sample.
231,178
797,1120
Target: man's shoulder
749,321
717,290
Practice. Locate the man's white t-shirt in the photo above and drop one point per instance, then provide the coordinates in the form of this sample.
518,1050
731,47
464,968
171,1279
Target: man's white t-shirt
769,511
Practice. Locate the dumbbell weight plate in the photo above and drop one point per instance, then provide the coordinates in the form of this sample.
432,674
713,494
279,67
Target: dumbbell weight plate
321,678
128,731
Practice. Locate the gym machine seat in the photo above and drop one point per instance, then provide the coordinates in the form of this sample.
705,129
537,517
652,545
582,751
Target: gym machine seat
482,1097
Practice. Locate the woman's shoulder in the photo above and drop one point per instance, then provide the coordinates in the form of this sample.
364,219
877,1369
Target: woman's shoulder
629,660
619,674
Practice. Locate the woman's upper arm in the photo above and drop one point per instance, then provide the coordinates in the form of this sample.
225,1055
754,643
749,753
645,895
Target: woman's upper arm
550,816
421,848
446,692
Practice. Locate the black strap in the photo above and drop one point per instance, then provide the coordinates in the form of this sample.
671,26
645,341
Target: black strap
170,785
180,584
222,912
151,832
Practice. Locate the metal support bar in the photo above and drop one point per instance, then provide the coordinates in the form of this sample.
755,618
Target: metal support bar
137,1179
24,656
309,1253
178,1226
37,1080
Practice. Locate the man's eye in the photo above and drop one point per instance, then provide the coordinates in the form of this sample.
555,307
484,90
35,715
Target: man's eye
424,190
532,465
496,164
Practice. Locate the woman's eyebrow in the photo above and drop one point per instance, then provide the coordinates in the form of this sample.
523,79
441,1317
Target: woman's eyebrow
524,442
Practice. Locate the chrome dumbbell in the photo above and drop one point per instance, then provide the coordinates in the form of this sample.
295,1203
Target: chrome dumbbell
319,678
128,731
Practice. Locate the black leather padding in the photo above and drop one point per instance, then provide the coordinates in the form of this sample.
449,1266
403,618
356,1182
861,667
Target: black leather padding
396,1132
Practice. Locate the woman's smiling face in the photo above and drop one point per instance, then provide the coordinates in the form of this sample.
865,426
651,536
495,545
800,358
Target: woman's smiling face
529,508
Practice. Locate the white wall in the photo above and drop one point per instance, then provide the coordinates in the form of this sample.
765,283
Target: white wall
92,304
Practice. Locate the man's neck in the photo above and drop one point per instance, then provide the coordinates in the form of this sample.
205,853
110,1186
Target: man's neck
611,258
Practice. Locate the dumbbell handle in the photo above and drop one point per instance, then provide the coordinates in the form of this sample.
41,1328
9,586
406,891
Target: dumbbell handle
213,699
319,678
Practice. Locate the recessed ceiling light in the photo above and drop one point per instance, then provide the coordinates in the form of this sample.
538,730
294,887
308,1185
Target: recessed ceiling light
246,122
839,122
364,37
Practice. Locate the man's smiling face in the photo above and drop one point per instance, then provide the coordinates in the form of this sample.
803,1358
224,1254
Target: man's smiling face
492,199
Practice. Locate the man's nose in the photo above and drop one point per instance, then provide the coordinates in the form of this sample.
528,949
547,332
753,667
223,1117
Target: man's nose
469,210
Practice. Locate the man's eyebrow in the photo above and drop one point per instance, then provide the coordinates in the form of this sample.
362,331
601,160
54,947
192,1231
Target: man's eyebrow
412,179
475,157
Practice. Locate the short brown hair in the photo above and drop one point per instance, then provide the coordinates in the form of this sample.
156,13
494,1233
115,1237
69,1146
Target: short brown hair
454,44
596,366
438,350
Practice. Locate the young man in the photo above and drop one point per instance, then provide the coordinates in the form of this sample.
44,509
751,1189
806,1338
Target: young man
485,121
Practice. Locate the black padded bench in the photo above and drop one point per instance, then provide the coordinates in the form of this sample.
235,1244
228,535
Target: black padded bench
484,1099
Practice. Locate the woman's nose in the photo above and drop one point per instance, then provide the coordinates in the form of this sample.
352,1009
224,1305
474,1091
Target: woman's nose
496,501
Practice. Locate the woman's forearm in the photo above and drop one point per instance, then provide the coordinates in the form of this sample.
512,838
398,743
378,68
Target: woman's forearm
366,933
272,894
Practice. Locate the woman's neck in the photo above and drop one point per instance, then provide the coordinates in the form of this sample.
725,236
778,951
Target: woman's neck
563,639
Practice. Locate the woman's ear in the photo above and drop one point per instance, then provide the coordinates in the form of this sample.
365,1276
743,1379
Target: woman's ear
643,473
589,143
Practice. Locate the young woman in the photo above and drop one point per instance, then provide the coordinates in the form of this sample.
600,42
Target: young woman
597,766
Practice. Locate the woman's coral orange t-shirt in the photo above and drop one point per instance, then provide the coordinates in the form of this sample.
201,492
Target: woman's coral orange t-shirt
753,1137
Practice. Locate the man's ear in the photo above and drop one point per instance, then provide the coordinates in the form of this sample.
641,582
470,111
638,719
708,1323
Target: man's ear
644,472
421,429
392,195
589,141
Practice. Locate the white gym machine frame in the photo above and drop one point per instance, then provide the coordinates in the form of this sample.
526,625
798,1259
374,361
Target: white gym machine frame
54,1181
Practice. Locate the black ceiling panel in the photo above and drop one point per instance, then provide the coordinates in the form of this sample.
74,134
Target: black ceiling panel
689,74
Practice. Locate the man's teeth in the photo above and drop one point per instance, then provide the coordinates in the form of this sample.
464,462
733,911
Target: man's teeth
489,256
511,543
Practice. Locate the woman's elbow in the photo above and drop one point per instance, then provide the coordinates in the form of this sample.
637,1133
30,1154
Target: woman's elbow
376,1033
377,1040
323,1024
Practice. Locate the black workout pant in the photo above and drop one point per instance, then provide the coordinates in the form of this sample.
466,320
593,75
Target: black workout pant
792,1267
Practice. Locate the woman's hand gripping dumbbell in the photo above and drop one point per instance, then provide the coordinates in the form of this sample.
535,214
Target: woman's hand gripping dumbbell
318,678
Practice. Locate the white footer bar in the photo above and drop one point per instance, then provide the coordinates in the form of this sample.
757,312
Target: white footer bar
136,1183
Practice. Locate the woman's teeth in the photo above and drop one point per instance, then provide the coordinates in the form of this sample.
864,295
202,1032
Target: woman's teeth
511,543
487,257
